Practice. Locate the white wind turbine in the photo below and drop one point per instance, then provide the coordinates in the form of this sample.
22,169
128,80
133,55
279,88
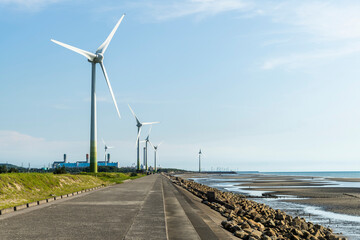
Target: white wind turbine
95,58
106,147
200,160
146,145
155,151
139,125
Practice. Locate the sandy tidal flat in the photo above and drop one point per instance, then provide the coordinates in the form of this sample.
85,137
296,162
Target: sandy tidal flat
339,195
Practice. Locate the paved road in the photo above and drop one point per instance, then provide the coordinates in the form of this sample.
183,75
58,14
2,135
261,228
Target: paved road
147,208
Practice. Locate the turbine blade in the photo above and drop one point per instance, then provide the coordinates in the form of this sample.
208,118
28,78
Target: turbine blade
150,130
103,141
152,145
137,120
150,123
110,89
87,54
160,143
105,44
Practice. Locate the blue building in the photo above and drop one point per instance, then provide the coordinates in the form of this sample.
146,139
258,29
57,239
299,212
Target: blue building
83,164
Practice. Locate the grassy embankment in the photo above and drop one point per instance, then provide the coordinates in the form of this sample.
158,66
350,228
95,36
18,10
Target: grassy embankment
21,188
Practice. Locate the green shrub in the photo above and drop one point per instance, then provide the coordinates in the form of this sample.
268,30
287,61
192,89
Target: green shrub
3,169
13,170
60,170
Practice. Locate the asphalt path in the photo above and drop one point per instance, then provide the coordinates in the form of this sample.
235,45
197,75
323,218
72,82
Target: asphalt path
146,208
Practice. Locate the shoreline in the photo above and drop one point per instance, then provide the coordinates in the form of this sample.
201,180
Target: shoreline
343,198
248,219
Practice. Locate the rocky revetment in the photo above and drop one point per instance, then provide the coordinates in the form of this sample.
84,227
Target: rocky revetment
250,220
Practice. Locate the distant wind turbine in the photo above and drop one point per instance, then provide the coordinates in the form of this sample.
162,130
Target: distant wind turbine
200,160
139,125
146,151
155,151
106,147
95,58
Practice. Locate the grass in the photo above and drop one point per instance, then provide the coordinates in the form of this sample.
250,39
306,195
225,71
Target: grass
21,188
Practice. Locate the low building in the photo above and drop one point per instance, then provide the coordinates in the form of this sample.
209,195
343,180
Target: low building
83,164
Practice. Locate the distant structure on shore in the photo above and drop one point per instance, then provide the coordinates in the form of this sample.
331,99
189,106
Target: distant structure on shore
86,163
200,160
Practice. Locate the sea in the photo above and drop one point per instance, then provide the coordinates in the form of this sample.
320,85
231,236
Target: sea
334,174
348,225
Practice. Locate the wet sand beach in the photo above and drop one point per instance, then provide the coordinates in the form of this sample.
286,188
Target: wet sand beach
339,195
338,200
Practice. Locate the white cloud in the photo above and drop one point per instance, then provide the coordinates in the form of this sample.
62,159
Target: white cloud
301,59
17,147
331,20
31,5
11,138
326,20
315,21
175,9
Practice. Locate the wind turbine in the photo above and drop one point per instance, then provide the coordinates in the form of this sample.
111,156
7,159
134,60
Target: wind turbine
200,160
95,58
146,142
139,125
155,151
106,147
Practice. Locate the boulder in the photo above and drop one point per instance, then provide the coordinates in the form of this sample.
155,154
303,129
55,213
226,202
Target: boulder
297,232
265,237
280,216
235,228
211,196
294,237
317,233
270,232
270,223
306,234
240,234
252,238
245,225
254,233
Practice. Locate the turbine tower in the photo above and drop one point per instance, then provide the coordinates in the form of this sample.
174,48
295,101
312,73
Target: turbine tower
139,125
95,58
200,160
155,151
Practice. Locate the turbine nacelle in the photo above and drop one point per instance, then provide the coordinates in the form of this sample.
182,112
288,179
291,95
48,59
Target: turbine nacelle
99,58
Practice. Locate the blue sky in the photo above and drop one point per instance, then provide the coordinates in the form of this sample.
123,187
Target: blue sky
258,85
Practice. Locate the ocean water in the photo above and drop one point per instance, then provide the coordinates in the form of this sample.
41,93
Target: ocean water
340,223
333,174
